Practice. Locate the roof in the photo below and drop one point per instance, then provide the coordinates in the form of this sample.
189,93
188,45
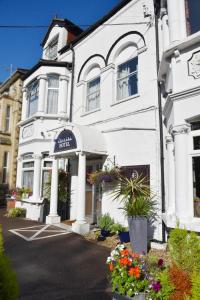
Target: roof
49,63
88,31
19,73
62,23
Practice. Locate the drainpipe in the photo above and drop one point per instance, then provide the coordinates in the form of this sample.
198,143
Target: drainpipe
72,82
161,131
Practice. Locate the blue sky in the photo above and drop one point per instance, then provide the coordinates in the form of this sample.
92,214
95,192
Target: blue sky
21,47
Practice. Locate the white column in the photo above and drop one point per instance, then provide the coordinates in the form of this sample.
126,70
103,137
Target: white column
24,104
53,217
170,205
63,93
165,30
19,172
42,93
177,20
36,178
81,226
181,171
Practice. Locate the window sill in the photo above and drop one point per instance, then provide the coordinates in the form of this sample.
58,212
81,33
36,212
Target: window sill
125,99
90,112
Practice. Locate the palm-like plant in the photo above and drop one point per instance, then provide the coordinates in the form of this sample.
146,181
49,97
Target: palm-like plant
136,196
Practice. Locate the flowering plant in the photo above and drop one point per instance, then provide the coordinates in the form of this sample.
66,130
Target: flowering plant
107,175
129,273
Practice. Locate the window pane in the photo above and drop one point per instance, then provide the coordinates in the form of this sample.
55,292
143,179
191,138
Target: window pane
29,164
7,125
195,126
32,97
46,185
93,95
27,179
52,49
196,186
5,168
52,97
47,164
127,79
196,142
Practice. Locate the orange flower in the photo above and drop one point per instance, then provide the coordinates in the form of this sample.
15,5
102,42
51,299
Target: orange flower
125,261
111,267
135,255
134,272
124,252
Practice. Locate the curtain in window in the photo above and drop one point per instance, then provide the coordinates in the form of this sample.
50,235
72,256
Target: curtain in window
46,177
52,97
127,79
27,180
93,95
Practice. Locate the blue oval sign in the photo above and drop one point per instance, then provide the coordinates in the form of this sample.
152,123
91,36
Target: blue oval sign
65,141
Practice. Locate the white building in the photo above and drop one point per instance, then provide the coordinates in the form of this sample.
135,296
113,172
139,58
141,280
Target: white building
94,100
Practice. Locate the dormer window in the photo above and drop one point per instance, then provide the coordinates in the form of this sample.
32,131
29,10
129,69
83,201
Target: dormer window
52,48
32,98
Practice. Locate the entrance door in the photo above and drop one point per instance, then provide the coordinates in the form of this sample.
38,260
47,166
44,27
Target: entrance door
93,193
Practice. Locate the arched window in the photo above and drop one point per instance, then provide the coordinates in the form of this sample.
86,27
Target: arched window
127,82
52,94
32,98
93,89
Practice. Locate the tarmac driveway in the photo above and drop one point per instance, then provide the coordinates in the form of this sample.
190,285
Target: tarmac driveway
62,266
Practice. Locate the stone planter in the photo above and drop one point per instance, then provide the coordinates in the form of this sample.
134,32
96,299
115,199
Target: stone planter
119,297
138,234
10,203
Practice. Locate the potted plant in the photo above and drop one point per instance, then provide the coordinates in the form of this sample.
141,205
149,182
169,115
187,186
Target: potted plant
105,222
122,232
139,206
106,175
128,274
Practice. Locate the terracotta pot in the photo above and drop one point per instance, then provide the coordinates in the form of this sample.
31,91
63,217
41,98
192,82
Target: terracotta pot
116,296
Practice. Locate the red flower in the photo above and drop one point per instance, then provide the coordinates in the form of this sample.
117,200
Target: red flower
134,272
111,267
124,252
125,261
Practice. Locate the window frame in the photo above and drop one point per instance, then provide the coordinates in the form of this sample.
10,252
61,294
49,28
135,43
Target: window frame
28,98
54,41
117,100
26,169
50,88
7,118
87,111
44,169
5,173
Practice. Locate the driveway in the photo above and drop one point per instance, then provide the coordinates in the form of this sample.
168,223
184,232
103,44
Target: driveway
55,264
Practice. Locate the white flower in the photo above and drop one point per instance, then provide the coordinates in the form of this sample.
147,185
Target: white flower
120,247
110,259
114,253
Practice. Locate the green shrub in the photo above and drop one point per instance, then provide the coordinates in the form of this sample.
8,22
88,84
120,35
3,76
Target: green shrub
105,222
117,227
195,286
185,249
8,283
17,212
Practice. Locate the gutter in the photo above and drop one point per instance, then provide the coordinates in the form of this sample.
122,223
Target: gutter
161,132
72,82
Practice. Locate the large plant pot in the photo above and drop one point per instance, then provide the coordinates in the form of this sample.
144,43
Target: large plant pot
119,297
138,234
124,237
105,233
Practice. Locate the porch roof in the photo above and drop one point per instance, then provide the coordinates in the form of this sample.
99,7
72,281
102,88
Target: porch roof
78,138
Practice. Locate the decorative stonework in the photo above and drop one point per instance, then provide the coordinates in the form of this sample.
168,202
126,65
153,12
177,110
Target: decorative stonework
169,139
28,131
37,156
180,129
194,65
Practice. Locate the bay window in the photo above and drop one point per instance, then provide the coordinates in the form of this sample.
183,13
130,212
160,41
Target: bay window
127,83
32,98
93,95
52,94
27,174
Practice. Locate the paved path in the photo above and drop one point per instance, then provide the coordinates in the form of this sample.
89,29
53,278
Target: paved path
59,267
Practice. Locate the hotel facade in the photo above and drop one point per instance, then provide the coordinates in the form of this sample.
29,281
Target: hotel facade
122,93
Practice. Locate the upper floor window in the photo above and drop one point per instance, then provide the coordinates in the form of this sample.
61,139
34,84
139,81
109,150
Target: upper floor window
7,120
93,94
32,98
5,168
52,95
127,83
52,48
